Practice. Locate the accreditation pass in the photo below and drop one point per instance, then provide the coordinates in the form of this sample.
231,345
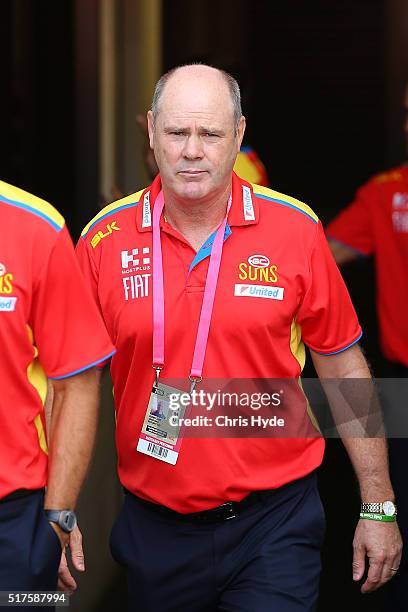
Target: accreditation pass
159,438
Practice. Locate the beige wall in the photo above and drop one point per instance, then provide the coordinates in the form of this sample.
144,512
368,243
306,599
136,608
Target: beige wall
130,65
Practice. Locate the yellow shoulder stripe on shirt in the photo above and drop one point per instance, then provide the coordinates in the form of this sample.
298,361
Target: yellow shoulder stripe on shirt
285,200
26,201
126,202
385,177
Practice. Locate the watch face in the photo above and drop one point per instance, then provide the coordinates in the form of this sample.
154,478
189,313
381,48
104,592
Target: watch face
388,508
67,521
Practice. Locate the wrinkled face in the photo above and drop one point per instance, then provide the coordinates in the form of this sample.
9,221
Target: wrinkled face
195,139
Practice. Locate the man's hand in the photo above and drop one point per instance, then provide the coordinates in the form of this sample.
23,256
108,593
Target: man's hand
66,582
381,543
62,535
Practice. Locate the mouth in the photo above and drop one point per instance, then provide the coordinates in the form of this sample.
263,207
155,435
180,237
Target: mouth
192,173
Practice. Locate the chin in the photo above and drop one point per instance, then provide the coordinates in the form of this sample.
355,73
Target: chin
194,191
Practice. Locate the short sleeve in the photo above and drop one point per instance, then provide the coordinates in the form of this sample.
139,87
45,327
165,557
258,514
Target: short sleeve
89,270
327,317
353,226
91,276
68,330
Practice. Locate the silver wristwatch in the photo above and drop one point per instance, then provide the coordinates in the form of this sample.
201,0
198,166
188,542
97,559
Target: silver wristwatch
388,508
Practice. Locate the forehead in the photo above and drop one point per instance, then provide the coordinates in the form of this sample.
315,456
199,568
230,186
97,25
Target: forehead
205,97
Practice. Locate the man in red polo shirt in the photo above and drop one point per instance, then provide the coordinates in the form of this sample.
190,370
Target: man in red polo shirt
203,275
49,328
376,223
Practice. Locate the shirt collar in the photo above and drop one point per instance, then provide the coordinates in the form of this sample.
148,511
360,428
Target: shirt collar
244,209
245,206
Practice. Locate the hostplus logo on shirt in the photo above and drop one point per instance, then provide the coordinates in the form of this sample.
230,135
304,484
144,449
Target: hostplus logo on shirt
135,266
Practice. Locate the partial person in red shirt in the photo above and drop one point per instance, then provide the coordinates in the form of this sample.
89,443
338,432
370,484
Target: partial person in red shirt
376,224
205,275
51,330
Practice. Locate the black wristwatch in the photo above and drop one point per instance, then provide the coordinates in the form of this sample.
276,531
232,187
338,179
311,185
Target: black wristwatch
66,519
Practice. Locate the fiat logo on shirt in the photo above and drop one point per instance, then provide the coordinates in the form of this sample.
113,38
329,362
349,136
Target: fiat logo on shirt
258,261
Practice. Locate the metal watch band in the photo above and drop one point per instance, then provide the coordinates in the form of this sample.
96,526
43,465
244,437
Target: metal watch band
386,508
372,507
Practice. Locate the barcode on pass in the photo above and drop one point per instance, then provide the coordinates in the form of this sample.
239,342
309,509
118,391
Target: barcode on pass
155,449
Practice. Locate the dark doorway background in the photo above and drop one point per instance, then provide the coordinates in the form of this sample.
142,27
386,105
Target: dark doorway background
315,83
48,103
37,100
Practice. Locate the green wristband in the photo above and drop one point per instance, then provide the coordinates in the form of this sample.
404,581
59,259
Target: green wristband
378,517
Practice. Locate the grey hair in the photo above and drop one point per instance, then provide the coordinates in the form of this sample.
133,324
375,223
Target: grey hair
231,83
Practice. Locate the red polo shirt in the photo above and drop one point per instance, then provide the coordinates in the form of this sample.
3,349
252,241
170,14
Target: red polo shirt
376,223
49,327
278,286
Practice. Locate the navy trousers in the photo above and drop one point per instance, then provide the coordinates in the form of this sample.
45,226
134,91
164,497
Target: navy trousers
266,559
30,550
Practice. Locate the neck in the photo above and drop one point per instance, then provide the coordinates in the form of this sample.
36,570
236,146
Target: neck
196,220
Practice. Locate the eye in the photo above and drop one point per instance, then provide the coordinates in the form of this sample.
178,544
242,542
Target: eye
177,133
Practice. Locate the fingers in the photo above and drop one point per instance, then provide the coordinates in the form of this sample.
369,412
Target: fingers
66,581
62,536
382,544
387,574
382,569
77,552
374,577
391,568
358,562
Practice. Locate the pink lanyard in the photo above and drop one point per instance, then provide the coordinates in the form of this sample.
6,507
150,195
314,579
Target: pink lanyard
208,300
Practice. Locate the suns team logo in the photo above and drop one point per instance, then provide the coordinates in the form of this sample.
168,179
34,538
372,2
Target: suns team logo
6,281
258,268
7,301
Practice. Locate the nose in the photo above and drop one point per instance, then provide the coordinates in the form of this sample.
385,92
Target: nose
193,148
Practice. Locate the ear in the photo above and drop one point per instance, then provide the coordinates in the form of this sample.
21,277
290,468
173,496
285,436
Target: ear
241,130
150,128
